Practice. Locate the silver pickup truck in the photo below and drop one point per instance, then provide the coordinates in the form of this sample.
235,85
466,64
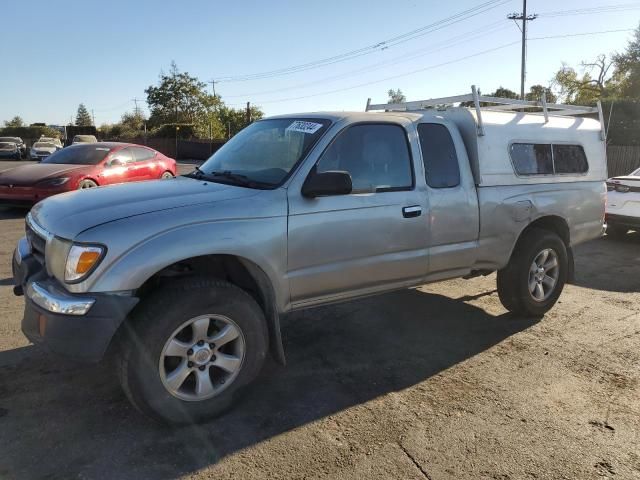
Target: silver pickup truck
186,279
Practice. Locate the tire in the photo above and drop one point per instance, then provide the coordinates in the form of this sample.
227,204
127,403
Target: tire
87,184
145,364
166,175
516,279
616,231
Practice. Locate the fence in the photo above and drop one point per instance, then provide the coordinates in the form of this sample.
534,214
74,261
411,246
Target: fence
623,159
198,149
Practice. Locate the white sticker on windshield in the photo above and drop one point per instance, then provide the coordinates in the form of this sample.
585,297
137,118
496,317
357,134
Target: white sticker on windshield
304,127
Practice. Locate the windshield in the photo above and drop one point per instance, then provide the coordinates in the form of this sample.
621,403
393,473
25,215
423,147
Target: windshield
43,145
79,155
267,150
636,173
9,139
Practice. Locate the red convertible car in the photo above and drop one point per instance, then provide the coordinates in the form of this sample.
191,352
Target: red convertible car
83,166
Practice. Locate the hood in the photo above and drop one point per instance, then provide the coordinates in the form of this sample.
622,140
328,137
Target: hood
44,148
68,214
26,175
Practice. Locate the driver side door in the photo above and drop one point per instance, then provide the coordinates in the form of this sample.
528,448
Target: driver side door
118,168
370,240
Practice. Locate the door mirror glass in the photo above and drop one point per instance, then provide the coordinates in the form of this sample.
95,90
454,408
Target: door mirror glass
116,162
326,184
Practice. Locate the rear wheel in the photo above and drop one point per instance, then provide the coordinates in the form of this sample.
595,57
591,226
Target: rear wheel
166,175
536,274
190,349
87,184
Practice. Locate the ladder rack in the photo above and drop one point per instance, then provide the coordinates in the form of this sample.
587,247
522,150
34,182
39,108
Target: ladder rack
500,104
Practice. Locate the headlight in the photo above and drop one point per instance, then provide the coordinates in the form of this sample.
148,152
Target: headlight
622,188
53,182
81,261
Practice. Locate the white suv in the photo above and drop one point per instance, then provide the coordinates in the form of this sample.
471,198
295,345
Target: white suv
623,204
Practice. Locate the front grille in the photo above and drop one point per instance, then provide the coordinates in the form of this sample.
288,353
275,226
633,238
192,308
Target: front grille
37,242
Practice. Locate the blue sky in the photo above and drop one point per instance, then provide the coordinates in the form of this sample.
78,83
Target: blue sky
104,54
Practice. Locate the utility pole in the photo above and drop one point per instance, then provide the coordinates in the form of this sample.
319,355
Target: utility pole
248,113
213,85
525,18
135,102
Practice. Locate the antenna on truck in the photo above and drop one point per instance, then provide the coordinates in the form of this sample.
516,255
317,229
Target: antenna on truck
494,104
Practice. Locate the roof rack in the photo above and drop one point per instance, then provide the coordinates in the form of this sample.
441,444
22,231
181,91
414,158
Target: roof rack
500,104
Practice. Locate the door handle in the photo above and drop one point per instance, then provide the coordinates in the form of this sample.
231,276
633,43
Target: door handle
411,212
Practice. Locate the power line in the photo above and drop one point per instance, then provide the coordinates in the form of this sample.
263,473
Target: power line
443,45
624,7
379,46
431,67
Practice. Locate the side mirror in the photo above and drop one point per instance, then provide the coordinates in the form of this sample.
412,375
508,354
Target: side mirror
116,162
326,184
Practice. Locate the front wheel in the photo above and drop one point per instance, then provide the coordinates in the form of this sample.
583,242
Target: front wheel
190,349
536,274
166,176
87,184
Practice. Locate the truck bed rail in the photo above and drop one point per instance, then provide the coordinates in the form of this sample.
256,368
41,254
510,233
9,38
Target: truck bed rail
499,104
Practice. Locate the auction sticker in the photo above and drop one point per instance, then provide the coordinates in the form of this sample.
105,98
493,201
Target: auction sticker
304,127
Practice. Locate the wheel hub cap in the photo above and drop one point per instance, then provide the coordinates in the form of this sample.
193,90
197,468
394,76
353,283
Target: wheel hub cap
202,357
543,275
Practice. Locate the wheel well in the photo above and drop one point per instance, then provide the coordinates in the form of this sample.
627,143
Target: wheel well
238,271
559,226
553,224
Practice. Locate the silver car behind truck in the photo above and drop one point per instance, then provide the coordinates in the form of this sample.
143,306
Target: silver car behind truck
187,279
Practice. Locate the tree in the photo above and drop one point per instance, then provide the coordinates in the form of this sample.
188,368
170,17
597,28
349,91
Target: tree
14,122
585,88
396,96
83,119
504,93
536,91
627,71
178,98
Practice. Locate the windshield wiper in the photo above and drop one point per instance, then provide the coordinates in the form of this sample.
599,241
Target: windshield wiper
228,176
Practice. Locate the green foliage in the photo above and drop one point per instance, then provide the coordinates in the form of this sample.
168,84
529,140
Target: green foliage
504,93
536,92
628,68
14,122
83,119
624,127
184,131
182,99
396,96
32,132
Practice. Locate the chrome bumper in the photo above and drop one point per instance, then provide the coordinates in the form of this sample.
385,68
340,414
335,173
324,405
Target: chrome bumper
55,301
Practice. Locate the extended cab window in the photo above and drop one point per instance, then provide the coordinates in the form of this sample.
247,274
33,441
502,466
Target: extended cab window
532,159
375,155
439,156
569,159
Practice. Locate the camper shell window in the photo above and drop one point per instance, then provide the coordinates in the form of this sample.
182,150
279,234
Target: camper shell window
548,159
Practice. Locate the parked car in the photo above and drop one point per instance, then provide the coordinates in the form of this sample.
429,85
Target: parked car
191,276
84,139
10,150
56,141
17,140
83,166
623,204
41,150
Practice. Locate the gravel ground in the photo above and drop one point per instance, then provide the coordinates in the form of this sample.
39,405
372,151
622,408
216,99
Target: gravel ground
433,383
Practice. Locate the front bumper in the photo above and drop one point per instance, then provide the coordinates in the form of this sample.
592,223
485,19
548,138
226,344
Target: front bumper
25,196
76,326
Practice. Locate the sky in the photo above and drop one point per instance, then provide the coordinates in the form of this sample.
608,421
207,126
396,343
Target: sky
104,54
